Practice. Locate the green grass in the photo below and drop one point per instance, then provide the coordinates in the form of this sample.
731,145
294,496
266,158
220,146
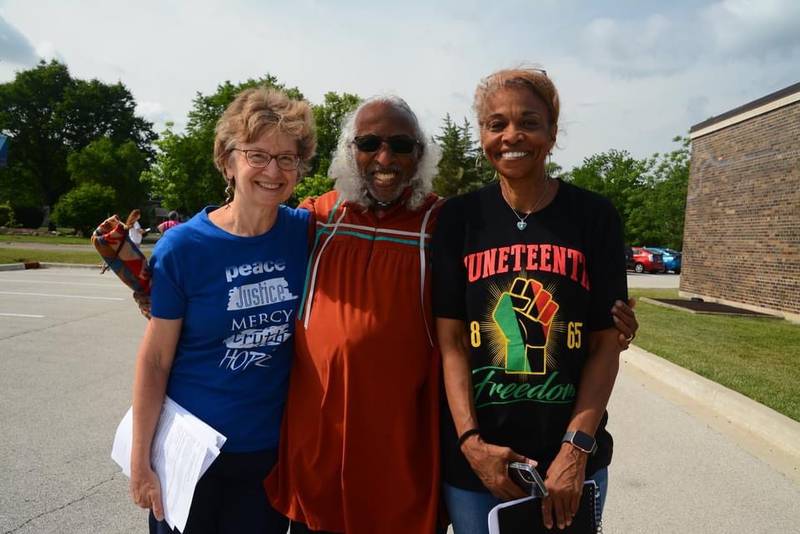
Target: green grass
54,239
759,358
21,255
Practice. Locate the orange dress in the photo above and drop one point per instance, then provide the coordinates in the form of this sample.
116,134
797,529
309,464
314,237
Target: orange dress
359,449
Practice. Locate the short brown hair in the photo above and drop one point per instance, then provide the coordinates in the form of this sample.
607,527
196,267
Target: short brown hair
533,79
260,110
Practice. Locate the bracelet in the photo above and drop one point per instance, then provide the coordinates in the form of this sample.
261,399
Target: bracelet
468,434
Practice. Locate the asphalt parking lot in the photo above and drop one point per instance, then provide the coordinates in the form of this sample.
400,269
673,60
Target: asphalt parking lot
67,343
67,340
662,281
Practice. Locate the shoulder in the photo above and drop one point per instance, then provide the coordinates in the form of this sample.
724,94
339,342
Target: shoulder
587,202
462,205
320,206
297,215
182,236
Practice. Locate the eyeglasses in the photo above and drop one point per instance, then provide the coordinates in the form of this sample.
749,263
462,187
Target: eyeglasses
259,159
399,144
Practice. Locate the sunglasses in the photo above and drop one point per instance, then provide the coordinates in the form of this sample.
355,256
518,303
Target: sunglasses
399,144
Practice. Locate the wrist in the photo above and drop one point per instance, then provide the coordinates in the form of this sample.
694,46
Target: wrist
570,448
580,441
140,463
471,435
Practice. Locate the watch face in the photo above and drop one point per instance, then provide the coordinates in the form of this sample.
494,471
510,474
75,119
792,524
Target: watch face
583,441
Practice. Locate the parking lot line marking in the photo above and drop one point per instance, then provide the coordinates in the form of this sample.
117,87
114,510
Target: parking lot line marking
21,315
36,281
54,295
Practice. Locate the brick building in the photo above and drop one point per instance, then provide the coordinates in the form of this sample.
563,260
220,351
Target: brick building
742,231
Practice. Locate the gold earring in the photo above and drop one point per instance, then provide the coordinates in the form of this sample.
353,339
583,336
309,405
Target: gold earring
229,191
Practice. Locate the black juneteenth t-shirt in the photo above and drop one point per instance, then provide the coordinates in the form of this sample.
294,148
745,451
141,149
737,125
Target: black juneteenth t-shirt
529,298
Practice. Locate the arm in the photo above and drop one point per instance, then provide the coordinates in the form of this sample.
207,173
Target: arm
488,461
153,365
566,474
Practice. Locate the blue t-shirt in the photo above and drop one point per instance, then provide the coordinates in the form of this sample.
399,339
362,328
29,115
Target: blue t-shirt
238,299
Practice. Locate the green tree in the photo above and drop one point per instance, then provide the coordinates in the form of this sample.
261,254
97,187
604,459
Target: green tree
118,166
310,186
462,167
554,170
84,207
658,207
183,175
6,214
30,115
48,114
617,176
328,117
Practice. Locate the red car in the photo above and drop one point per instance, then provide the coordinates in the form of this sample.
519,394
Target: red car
646,260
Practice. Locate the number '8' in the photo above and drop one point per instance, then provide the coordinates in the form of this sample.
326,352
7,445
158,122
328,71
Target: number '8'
475,334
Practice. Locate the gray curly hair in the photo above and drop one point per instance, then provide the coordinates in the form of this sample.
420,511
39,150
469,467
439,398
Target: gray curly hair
344,170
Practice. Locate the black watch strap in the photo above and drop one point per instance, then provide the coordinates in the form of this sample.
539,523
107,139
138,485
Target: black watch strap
580,440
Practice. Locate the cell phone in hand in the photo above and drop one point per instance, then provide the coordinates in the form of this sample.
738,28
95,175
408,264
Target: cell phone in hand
527,477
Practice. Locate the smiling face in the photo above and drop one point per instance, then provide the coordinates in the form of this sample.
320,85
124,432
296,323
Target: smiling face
269,186
516,133
386,173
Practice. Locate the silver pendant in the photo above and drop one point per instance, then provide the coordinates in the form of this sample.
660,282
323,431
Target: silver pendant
521,225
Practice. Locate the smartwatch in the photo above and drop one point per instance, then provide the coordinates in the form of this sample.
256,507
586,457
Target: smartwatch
580,440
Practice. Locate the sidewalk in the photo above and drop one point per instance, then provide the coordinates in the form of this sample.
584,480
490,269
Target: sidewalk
680,469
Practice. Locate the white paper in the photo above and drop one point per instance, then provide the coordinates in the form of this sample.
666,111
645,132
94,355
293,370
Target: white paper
183,449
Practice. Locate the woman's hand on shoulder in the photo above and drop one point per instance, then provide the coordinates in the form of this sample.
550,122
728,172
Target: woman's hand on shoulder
564,483
146,491
625,321
490,463
143,301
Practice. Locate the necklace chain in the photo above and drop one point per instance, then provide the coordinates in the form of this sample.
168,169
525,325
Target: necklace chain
381,204
521,221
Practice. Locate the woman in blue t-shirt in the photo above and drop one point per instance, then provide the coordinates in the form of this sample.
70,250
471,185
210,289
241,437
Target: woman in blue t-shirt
225,286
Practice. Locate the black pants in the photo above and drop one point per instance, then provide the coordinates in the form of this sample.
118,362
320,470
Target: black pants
230,499
300,528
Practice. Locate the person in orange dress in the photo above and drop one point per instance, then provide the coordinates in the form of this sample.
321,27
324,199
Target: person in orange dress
359,444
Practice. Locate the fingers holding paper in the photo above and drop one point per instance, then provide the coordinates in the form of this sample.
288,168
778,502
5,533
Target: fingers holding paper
146,492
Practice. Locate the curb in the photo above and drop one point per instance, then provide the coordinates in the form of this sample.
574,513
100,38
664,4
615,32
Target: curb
773,427
45,265
49,265
19,266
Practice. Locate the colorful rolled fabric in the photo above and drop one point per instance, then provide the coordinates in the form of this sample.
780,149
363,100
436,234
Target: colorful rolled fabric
121,255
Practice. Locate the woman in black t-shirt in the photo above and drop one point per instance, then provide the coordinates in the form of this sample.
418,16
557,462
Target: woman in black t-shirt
526,272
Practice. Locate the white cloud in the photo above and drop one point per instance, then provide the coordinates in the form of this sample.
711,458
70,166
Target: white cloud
754,27
47,51
14,46
653,45
630,78
153,112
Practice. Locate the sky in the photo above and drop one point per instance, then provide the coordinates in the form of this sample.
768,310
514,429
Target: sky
631,74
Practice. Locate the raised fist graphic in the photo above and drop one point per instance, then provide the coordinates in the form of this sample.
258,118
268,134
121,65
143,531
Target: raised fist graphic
524,314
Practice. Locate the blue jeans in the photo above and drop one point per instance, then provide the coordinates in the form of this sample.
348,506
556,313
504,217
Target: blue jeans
469,510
